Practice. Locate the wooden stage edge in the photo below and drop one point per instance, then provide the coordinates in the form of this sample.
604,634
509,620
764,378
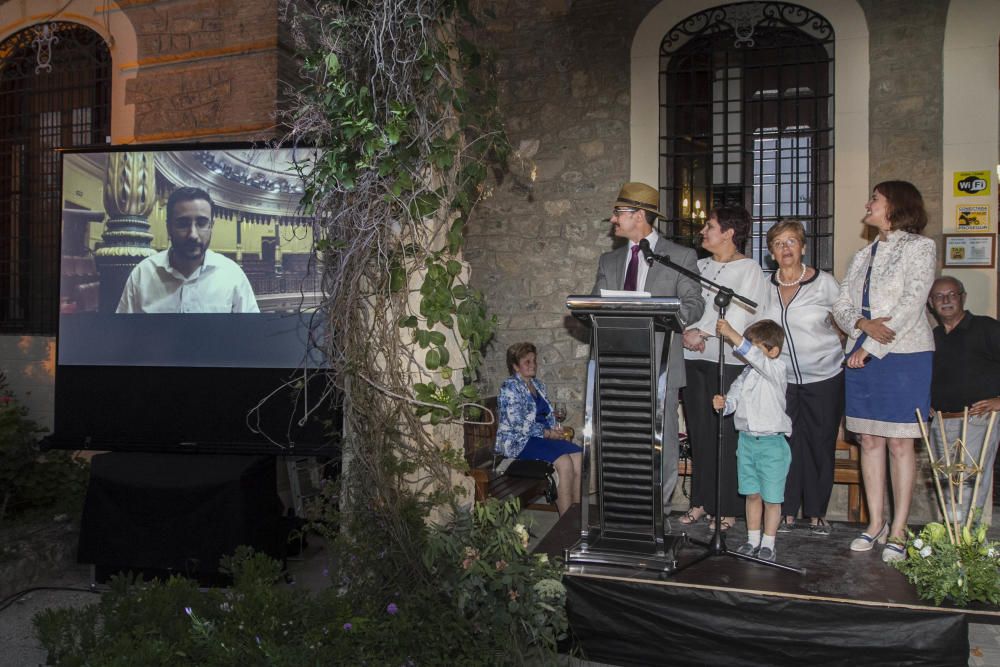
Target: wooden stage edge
834,574
791,596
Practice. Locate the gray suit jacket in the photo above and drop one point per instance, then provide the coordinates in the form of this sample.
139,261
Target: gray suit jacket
660,281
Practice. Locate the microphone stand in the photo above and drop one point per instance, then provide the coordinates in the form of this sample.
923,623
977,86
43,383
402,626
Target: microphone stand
717,545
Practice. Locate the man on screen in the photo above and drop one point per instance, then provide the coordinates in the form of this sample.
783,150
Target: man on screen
188,277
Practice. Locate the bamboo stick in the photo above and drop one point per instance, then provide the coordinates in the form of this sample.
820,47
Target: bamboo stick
937,480
964,450
951,482
979,474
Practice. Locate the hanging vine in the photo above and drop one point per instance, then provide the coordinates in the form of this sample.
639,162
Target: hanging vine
399,105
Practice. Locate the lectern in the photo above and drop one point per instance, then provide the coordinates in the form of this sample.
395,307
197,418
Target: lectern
623,431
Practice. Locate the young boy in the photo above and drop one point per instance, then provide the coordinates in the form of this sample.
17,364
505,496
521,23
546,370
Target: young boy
757,397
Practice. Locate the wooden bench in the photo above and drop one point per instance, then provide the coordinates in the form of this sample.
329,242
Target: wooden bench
846,470
479,440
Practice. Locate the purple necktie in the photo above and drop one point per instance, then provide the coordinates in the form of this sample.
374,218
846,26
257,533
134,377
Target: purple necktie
632,272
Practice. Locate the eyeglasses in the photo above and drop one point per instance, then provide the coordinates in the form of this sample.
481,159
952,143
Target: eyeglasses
787,243
618,210
946,296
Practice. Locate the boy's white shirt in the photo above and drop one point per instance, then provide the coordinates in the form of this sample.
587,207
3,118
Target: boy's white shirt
757,396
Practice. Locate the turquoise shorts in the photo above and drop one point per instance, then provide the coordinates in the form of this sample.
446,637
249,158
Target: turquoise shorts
762,464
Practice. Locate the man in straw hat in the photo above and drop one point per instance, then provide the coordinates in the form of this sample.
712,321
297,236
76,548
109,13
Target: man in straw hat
966,375
634,214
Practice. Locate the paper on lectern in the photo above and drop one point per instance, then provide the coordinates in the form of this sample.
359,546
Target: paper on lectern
625,294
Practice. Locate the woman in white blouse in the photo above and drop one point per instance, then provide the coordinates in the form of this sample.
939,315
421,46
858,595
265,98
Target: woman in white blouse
724,235
890,349
800,299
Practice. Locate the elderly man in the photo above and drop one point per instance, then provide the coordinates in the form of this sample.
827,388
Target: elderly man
966,374
634,214
188,277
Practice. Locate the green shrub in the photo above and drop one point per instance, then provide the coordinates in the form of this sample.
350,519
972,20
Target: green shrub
32,482
481,599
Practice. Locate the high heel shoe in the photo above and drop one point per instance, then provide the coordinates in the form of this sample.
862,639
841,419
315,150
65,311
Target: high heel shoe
866,542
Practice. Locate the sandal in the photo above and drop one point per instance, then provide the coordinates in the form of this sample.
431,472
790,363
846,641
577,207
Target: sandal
691,516
821,527
786,525
724,525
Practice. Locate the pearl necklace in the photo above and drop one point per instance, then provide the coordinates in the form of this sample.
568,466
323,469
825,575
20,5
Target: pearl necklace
777,277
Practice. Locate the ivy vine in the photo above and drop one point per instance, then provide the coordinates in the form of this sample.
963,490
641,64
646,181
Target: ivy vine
402,107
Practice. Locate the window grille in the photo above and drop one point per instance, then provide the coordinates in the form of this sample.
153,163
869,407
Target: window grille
55,91
746,118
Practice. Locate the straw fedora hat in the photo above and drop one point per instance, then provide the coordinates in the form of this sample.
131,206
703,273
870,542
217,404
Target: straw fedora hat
641,196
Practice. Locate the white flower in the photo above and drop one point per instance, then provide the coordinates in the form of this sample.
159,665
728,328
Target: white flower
991,553
918,543
926,551
522,533
550,589
543,559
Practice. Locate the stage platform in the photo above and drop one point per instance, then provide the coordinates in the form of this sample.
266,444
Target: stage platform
848,607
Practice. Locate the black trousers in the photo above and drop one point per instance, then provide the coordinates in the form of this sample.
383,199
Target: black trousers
702,425
815,410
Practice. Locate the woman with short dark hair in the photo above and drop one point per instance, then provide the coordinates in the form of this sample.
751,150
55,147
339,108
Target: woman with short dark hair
890,349
724,235
529,430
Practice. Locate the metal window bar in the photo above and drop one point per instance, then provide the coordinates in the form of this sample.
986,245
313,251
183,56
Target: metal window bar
51,95
746,118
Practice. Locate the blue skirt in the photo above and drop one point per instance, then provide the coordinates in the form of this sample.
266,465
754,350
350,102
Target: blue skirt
543,449
884,395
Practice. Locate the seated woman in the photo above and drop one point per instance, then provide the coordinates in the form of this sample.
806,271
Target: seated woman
527,428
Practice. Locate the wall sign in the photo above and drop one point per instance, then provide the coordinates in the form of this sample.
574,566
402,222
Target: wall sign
969,250
973,218
971,183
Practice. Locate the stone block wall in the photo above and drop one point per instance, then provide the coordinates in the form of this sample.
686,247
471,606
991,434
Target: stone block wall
205,69
563,75
906,98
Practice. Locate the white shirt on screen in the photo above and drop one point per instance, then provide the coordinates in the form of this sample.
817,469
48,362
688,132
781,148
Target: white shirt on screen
217,286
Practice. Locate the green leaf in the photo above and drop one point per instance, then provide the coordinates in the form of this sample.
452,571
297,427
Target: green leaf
453,267
397,278
436,338
408,322
433,359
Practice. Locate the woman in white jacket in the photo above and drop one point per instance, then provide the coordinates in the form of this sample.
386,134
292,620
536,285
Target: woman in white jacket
890,348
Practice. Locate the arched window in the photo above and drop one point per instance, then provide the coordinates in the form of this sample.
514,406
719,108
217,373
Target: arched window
55,90
746,117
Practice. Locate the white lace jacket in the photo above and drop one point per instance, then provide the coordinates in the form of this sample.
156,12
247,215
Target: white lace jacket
902,275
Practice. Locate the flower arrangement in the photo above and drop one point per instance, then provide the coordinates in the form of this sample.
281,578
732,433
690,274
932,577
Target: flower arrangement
961,569
953,560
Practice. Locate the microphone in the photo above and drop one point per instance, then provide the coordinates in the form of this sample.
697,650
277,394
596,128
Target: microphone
647,252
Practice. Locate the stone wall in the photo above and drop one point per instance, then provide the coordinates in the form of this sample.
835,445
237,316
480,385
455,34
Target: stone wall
906,98
563,78
205,69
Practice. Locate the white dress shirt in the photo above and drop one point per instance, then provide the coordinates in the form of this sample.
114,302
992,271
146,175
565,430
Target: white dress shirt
745,278
812,351
217,286
757,396
640,278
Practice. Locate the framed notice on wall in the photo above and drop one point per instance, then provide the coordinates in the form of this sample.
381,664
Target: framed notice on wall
969,251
